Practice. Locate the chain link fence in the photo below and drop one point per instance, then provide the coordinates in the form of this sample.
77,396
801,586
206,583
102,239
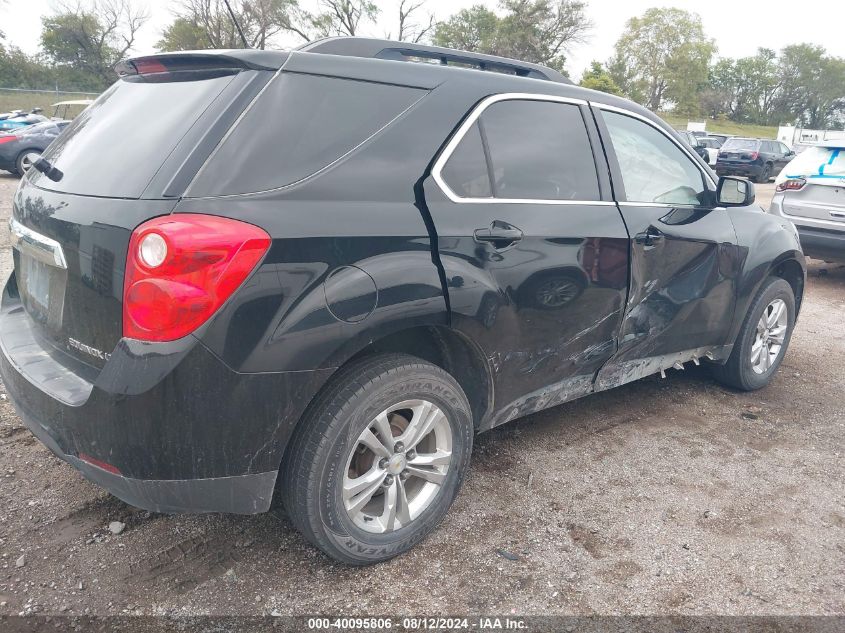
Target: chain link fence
25,99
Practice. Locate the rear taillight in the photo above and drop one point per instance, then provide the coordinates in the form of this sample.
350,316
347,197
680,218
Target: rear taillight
181,268
792,184
750,155
8,139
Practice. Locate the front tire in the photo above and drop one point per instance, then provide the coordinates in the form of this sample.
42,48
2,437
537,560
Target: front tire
763,339
379,458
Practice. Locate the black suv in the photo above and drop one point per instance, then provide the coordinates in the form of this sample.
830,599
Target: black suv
757,159
319,273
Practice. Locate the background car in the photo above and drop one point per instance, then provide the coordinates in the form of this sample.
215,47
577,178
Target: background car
720,137
811,193
712,145
755,158
17,119
62,109
694,142
21,147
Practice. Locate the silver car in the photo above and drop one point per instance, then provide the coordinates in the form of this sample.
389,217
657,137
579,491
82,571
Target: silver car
810,191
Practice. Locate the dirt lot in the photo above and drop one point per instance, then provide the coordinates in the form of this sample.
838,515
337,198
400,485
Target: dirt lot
663,496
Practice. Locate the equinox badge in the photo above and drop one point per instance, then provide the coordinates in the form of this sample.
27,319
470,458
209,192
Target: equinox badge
87,349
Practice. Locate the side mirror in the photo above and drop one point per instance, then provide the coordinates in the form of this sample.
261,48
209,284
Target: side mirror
735,192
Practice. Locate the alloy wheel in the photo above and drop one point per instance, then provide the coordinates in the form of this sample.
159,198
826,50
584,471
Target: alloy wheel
554,293
769,338
397,466
28,159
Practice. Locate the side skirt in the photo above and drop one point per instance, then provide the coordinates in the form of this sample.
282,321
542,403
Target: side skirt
610,376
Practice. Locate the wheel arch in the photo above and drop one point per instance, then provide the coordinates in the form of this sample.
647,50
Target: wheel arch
438,344
448,349
792,272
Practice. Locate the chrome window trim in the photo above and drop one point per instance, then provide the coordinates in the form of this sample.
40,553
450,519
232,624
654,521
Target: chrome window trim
644,119
446,154
37,246
668,205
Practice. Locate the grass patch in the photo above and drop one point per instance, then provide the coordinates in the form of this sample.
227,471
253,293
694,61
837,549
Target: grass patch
723,127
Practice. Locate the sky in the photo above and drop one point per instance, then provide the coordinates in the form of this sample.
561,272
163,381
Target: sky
739,28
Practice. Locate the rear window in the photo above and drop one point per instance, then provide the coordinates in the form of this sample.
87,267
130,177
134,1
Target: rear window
116,145
741,144
299,125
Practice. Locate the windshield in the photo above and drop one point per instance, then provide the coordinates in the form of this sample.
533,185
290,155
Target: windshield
741,144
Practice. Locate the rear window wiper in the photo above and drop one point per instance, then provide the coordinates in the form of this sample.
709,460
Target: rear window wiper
43,165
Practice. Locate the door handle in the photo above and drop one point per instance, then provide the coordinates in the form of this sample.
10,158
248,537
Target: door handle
499,234
649,237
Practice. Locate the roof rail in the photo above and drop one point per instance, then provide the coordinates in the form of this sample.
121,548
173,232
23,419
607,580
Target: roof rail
406,51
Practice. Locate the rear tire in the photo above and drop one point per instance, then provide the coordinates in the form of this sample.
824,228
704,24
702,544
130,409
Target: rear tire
340,453
754,360
765,175
25,160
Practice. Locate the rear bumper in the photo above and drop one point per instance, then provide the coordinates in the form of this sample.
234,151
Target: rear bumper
173,427
243,494
750,170
822,244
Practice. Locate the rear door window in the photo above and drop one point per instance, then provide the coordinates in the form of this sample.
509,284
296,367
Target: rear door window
299,125
539,150
466,172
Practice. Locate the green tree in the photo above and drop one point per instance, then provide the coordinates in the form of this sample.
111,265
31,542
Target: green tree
598,78
207,24
472,29
813,86
663,57
719,99
538,31
91,38
343,17
757,84
184,34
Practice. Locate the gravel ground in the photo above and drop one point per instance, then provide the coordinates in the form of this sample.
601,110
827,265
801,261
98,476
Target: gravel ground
664,496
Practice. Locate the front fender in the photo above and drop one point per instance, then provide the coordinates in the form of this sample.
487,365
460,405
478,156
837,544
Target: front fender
764,243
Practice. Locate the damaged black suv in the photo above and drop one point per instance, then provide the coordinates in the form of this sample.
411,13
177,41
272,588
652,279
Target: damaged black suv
317,274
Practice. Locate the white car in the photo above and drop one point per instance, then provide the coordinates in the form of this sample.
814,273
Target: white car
810,191
712,145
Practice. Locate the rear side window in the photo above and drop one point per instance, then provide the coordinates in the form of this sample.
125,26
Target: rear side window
299,125
532,150
466,171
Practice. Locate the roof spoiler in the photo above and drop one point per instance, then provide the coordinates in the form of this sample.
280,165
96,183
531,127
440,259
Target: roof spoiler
405,51
236,59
